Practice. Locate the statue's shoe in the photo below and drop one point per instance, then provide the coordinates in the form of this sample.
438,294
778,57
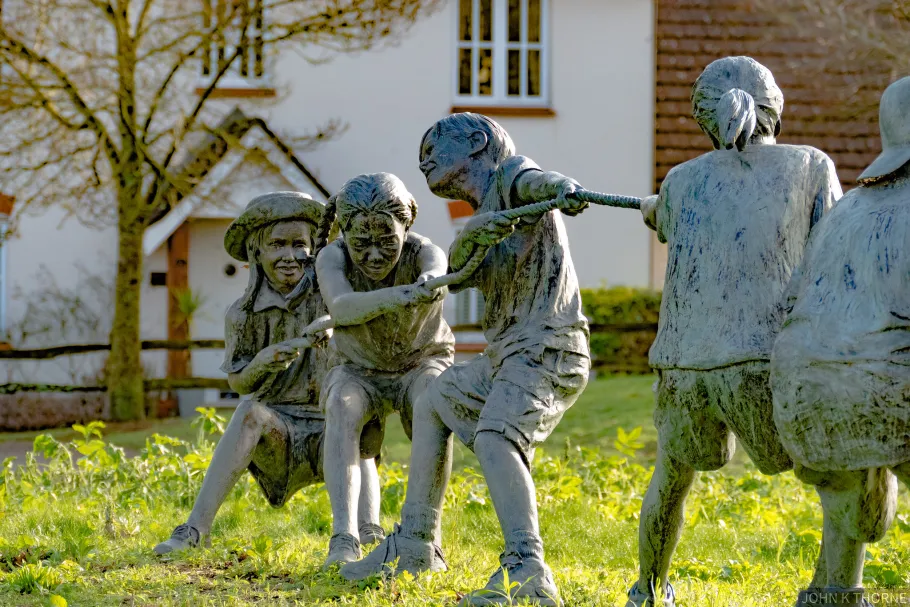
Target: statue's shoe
343,548
637,598
413,555
529,580
183,537
371,533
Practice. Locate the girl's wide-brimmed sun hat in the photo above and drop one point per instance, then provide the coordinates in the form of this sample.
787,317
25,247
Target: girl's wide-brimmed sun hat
894,124
266,209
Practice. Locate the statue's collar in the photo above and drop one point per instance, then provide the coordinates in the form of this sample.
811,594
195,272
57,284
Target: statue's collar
269,298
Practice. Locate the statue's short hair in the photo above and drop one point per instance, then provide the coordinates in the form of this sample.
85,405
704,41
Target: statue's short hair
499,144
368,193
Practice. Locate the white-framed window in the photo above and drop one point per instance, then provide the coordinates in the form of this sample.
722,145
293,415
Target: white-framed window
249,68
469,307
501,52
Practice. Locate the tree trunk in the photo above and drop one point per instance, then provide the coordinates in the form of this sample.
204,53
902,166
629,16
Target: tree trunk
124,366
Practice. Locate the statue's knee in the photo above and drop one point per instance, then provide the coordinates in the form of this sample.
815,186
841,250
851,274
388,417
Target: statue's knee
706,457
250,414
346,402
862,504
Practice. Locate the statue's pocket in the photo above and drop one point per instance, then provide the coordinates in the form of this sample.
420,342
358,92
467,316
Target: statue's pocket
569,368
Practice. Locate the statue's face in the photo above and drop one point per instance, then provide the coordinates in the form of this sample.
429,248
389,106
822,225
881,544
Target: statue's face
283,250
445,161
375,241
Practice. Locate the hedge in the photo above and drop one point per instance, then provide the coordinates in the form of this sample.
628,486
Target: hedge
621,351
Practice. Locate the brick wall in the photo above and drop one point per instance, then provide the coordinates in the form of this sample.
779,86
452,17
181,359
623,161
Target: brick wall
820,96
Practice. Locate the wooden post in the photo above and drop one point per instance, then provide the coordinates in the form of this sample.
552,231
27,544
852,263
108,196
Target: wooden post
178,361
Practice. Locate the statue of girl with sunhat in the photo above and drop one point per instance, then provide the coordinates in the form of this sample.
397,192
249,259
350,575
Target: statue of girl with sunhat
278,432
840,368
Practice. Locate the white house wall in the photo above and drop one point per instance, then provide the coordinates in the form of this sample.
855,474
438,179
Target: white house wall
602,93
601,66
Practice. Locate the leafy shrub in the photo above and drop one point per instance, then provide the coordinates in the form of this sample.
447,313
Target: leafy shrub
621,351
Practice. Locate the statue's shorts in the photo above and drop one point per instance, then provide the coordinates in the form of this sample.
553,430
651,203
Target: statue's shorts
699,412
387,392
523,399
305,430
835,416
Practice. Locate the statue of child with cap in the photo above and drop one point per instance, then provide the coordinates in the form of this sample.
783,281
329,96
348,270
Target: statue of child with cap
505,402
840,367
278,432
736,222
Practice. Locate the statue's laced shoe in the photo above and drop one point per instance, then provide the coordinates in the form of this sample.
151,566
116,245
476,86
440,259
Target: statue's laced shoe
183,537
529,580
371,533
637,598
414,556
343,548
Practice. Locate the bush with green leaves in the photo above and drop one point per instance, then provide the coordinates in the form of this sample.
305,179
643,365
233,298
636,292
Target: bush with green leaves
627,350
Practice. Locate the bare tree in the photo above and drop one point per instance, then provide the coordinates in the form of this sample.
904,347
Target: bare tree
861,46
98,108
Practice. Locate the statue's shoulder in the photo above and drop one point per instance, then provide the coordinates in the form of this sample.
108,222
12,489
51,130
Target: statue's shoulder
805,151
417,240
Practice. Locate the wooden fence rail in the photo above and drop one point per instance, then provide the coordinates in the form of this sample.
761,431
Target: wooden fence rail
162,384
151,385
70,349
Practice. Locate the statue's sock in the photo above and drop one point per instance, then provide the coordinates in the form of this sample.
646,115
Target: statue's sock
419,521
526,544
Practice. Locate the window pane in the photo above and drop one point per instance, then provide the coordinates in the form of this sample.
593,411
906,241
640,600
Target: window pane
533,20
464,71
485,73
514,20
486,20
464,19
463,307
481,305
514,72
533,73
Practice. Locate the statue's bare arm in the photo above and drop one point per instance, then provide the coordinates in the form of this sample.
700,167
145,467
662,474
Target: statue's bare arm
433,264
269,361
346,306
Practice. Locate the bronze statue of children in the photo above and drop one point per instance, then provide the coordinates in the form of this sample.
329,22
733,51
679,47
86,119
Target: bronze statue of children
505,402
390,337
736,221
278,432
840,368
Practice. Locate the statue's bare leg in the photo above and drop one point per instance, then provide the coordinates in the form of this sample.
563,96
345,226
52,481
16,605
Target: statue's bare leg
347,407
431,466
662,517
434,448
252,427
369,529
250,424
859,506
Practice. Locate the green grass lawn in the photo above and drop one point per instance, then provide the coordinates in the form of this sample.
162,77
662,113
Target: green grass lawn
83,534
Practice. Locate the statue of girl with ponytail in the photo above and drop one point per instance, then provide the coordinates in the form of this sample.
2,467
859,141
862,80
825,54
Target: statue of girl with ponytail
390,337
736,221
